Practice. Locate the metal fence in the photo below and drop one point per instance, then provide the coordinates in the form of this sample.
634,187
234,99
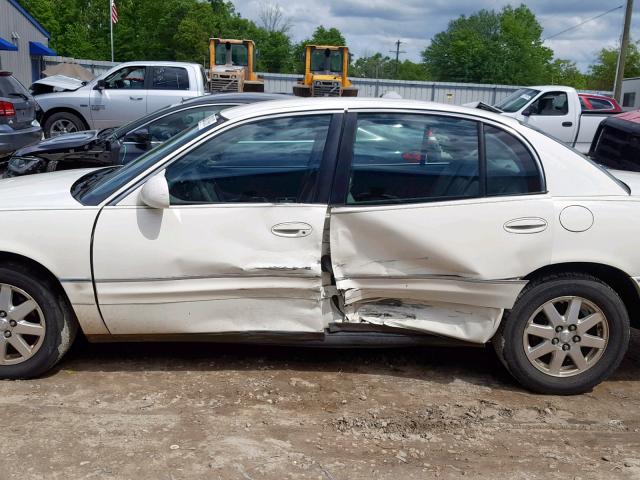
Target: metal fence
443,92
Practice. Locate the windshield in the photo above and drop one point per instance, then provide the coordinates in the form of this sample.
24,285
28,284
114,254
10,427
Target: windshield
517,100
239,54
326,61
90,190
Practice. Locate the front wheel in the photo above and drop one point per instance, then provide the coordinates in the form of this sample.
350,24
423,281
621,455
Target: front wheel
62,122
36,325
564,335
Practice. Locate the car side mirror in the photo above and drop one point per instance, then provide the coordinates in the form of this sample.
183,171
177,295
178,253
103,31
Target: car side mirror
140,137
155,192
100,85
530,110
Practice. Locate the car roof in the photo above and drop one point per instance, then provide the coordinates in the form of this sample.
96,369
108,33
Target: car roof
156,63
234,98
298,104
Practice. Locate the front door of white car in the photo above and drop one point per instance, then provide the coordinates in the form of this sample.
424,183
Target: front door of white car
123,99
238,249
438,219
551,113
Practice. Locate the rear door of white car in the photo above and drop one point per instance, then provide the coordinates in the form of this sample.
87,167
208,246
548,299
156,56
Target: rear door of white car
434,219
239,248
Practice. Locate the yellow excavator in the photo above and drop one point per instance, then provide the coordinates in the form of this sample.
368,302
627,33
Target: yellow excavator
325,73
232,66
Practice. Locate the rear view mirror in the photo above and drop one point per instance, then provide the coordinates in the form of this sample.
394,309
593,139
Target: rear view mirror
530,110
155,192
140,137
100,85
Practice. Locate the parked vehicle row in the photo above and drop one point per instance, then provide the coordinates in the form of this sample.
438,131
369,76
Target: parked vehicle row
118,146
331,221
18,109
125,93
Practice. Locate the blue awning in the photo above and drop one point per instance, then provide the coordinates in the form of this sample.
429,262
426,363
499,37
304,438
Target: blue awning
38,49
6,45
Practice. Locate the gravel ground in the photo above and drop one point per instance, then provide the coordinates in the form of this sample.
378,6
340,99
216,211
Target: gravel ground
182,411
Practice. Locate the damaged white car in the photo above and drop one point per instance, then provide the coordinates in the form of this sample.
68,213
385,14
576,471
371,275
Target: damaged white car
336,222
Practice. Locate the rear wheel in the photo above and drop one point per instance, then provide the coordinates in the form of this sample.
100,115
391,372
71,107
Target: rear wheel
62,122
564,335
36,325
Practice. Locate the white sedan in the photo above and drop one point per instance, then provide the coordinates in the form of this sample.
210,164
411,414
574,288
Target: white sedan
335,222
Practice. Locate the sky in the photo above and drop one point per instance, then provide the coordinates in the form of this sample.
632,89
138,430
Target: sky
370,26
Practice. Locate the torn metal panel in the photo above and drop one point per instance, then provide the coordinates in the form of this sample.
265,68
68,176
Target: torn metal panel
492,294
472,324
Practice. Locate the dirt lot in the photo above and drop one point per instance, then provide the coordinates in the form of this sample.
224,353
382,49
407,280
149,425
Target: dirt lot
171,412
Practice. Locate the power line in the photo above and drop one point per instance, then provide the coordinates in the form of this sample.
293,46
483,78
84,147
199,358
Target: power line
582,23
397,52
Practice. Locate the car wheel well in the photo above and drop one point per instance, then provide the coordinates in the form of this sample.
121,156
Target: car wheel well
53,111
35,268
617,279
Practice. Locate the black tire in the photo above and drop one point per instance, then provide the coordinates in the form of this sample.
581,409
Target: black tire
61,325
70,117
509,343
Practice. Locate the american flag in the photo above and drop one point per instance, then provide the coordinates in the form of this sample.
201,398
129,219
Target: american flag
114,12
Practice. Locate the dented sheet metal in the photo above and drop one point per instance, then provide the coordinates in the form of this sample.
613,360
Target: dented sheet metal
209,268
452,266
473,324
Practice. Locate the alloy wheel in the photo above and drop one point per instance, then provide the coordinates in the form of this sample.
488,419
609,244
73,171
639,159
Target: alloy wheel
62,126
22,325
566,336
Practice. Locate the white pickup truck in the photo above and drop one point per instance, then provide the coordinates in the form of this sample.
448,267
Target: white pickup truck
126,92
554,110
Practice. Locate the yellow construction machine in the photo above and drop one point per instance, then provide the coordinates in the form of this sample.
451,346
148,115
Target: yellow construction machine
232,66
325,68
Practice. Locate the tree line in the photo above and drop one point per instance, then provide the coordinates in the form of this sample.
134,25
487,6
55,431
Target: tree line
489,46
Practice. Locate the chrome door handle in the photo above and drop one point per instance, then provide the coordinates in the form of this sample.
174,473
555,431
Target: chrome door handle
526,225
136,98
292,229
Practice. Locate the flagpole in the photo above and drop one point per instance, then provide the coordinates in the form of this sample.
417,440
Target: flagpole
111,26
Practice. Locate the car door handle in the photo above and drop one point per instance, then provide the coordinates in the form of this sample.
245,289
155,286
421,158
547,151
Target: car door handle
136,98
526,225
567,124
292,229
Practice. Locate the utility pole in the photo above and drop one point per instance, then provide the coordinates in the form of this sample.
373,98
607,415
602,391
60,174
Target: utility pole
622,56
397,52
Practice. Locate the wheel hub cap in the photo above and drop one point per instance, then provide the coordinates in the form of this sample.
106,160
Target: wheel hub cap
22,328
566,336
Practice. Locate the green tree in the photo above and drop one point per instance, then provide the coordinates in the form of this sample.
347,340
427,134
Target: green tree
490,47
565,72
603,72
378,66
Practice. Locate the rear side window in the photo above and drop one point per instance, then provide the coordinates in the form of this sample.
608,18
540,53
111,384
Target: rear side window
170,78
269,161
601,104
401,158
511,169
9,85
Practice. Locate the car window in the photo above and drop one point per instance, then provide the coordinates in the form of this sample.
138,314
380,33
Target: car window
170,78
551,104
600,104
517,100
10,85
272,161
170,125
401,158
126,78
511,169
583,104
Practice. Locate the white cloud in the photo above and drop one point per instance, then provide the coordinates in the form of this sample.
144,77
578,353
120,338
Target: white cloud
374,25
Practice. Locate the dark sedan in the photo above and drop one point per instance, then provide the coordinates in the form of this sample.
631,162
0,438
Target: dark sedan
118,146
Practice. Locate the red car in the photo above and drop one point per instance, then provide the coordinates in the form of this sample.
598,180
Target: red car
600,103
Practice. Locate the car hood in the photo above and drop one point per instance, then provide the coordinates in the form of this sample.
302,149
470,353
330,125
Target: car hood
61,143
61,82
40,191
